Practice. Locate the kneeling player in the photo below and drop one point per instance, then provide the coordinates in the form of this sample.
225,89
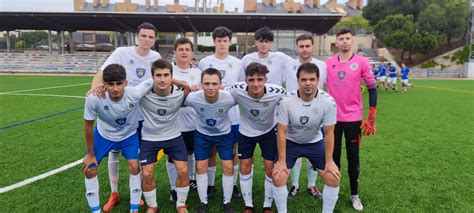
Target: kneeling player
258,101
117,123
300,116
160,131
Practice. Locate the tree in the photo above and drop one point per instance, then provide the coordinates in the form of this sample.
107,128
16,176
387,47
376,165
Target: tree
395,31
356,23
376,10
33,38
457,23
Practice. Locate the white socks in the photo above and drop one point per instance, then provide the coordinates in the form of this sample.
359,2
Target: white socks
236,173
280,194
330,195
172,174
113,167
295,173
182,196
135,184
191,167
201,181
211,174
92,194
246,182
227,187
150,198
312,175
268,192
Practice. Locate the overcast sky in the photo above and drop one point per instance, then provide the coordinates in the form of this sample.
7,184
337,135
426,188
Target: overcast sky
67,5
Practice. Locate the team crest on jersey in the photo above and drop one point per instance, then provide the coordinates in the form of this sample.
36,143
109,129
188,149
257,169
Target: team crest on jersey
354,66
265,104
304,120
211,122
131,106
161,112
222,72
106,108
220,111
121,121
254,112
140,72
341,74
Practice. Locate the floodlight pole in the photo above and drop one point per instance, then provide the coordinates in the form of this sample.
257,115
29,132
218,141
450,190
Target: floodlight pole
62,42
8,41
116,40
50,42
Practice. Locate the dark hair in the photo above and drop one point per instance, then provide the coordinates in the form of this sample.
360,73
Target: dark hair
256,68
114,73
148,26
211,71
344,31
264,33
161,64
181,41
389,64
308,68
305,37
221,32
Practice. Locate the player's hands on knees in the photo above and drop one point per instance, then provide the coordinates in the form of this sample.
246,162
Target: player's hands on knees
98,90
90,162
278,169
332,169
368,126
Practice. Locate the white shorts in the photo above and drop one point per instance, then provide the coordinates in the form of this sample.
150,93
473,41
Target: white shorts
404,81
392,80
383,78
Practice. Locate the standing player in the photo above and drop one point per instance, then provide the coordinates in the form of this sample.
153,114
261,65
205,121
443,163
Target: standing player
137,62
117,123
300,117
160,131
229,66
304,48
212,129
276,62
345,72
383,76
392,77
185,73
404,78
258,101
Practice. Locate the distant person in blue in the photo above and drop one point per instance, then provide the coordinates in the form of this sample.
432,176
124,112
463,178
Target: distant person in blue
404,71
392,77
383,75
375,71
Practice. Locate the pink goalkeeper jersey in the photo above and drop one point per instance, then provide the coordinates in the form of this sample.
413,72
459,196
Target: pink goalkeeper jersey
343,84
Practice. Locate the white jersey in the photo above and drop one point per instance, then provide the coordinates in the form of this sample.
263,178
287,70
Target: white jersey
138,67
230,69
213,118
117,121
304,119
161,115
258,114
187,115
292,81
276,62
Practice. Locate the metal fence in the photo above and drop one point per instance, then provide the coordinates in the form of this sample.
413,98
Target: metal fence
437,73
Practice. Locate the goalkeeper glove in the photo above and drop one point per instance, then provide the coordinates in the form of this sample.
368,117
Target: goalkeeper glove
368,126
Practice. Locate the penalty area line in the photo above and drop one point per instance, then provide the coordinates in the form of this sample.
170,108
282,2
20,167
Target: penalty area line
39,177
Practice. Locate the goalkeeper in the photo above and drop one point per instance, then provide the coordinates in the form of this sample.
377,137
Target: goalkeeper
344,75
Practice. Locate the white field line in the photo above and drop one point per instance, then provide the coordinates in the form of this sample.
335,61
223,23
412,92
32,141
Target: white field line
44,95
39,177
45,88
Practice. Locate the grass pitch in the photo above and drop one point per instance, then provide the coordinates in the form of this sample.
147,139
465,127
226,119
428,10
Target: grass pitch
420,160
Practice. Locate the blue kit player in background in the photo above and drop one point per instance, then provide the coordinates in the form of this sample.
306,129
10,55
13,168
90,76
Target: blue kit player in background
375,71
392,77
117,123
383,76
404,79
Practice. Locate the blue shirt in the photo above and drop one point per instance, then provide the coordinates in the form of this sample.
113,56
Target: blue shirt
375,71
405,72
383,71
394,70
